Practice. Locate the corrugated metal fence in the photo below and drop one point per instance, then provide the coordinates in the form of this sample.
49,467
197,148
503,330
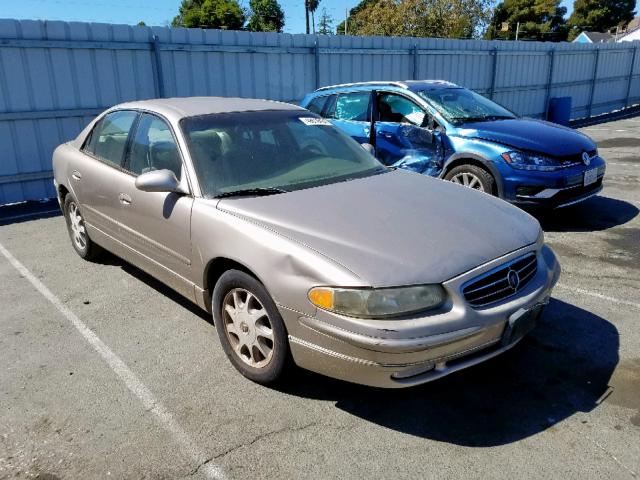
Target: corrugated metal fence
56,76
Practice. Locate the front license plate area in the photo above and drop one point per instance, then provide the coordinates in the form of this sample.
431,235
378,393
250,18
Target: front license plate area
590,176
520,323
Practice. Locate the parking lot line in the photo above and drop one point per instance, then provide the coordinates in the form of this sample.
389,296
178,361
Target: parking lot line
598,295
130,379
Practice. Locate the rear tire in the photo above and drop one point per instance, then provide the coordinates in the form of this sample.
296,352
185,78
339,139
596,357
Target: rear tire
80,240
251,330
472,176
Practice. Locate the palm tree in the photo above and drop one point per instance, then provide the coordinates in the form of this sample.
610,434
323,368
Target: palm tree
312,6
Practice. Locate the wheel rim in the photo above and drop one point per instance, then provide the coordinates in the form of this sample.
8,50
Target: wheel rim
248,327
78,232
468,179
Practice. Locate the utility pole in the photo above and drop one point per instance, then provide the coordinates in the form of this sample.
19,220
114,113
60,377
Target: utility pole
346,20
517,30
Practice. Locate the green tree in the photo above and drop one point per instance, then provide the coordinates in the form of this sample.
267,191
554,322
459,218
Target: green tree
221,14
142,24
325,23
539,20
419,18
340,30
599,15
266,16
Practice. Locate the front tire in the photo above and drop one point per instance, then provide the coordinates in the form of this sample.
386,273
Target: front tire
80,240
250,327
472,176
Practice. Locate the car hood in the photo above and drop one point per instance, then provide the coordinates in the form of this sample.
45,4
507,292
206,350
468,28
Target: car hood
529,134
396,228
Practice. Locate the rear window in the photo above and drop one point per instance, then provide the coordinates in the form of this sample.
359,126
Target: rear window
108,139
317,104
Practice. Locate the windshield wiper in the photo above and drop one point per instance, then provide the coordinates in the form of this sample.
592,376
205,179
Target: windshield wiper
258,192
486,118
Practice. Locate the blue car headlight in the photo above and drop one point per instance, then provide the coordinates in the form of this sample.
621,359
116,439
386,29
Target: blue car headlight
533,161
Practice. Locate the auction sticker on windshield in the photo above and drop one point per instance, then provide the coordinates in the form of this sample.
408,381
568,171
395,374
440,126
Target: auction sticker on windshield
314,121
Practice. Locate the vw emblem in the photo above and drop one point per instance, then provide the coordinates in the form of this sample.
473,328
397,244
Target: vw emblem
513,279
586,159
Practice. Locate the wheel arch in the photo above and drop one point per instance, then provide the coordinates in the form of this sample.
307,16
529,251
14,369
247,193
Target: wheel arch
468,158
216,267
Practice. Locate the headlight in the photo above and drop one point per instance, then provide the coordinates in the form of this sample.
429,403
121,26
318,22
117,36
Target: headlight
378,302
532,161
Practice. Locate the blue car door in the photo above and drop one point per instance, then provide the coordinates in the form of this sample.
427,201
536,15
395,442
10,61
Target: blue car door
403,136
351,113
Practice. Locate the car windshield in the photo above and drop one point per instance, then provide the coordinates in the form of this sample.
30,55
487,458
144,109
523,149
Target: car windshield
459,105
269,152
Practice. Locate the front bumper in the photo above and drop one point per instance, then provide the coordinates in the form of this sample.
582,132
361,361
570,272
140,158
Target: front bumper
551,189
411,351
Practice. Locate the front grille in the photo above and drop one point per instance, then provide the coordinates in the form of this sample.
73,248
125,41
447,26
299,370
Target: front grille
576,158
494,285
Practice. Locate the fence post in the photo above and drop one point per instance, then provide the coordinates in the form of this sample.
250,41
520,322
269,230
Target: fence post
494,68
415,62
552,58
157,66
633,63
316,59
593,80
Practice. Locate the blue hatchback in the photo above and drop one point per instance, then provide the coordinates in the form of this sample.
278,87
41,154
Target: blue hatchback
440,129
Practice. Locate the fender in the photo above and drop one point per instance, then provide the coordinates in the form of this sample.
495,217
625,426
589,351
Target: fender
460,158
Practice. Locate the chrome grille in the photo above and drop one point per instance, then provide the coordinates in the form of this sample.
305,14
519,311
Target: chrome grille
495,284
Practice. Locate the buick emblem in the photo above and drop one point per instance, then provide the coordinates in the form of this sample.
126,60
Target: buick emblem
586,159
513,279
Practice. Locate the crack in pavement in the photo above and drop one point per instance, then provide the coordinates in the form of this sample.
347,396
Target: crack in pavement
251,442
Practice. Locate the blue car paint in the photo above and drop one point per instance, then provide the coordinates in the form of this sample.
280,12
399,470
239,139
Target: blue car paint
476,142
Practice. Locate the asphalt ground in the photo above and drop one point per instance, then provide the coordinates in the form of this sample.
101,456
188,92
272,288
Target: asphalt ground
106,373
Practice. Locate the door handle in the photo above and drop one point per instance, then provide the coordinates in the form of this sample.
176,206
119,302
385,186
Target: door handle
76,175
367,131
124,199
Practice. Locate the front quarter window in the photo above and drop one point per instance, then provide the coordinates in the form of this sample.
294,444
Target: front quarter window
276,150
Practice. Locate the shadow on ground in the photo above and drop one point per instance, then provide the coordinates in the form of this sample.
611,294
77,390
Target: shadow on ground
562,368
596,213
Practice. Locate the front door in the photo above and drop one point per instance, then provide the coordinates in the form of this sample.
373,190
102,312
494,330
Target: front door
406,136
157,225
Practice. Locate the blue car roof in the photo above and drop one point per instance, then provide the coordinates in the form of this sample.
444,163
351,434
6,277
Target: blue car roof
412,85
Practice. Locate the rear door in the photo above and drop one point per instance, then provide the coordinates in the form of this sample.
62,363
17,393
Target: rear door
157,224
351,113
95,176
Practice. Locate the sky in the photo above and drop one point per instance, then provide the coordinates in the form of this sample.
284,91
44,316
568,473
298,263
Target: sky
154,12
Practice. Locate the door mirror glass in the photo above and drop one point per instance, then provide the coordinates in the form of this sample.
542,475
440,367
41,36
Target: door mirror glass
158,181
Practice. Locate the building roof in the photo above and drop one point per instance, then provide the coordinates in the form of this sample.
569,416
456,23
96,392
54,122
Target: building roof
599,37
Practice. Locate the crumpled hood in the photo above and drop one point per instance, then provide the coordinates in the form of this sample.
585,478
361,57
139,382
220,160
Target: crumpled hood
396,228
529,134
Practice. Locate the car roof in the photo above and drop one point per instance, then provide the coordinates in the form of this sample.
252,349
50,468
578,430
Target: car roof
181,107
412,85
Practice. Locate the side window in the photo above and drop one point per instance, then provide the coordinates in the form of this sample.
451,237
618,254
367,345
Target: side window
399,109
352,106
108,139
317,104
153,148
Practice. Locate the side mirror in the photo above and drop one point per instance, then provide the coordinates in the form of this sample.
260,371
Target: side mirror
369,148
159,181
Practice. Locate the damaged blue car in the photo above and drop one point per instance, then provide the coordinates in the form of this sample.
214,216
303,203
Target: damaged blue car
443,130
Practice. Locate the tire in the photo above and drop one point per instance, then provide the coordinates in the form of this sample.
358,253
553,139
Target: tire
472,176
250,327
80,240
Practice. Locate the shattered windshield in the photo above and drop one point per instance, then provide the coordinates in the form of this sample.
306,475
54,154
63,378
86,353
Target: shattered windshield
272,152
459,105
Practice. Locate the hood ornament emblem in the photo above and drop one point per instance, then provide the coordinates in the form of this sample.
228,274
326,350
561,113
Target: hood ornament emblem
513,279
586,159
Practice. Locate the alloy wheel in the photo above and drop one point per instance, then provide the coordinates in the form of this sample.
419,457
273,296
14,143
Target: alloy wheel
468,179
78,231
248,328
